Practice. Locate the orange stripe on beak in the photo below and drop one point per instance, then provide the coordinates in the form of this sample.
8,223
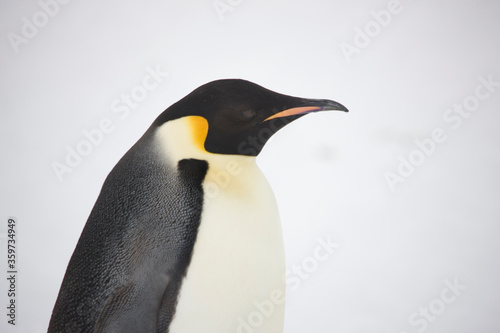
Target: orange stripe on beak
294,111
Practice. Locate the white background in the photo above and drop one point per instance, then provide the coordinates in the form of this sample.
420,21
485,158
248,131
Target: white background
397,248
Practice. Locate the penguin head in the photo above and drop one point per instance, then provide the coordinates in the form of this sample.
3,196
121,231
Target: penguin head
237,117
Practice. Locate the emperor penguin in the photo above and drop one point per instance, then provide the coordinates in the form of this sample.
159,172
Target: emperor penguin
185,235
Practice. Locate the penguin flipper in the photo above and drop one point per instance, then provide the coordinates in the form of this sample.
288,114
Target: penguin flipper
133,307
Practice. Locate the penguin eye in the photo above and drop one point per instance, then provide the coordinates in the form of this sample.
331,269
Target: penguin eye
248,114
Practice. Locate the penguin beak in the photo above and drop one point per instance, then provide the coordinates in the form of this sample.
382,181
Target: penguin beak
313,105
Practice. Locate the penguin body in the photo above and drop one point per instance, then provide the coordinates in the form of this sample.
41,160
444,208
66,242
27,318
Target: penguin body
185,235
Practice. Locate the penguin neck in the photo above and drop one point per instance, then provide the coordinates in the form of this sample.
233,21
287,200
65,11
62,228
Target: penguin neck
183,139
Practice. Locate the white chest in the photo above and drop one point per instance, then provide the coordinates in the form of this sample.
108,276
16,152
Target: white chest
237,269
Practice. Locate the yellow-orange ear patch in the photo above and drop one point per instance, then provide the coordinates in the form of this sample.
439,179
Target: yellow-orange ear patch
199,130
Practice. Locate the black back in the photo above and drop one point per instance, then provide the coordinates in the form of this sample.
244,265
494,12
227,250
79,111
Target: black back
126,271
